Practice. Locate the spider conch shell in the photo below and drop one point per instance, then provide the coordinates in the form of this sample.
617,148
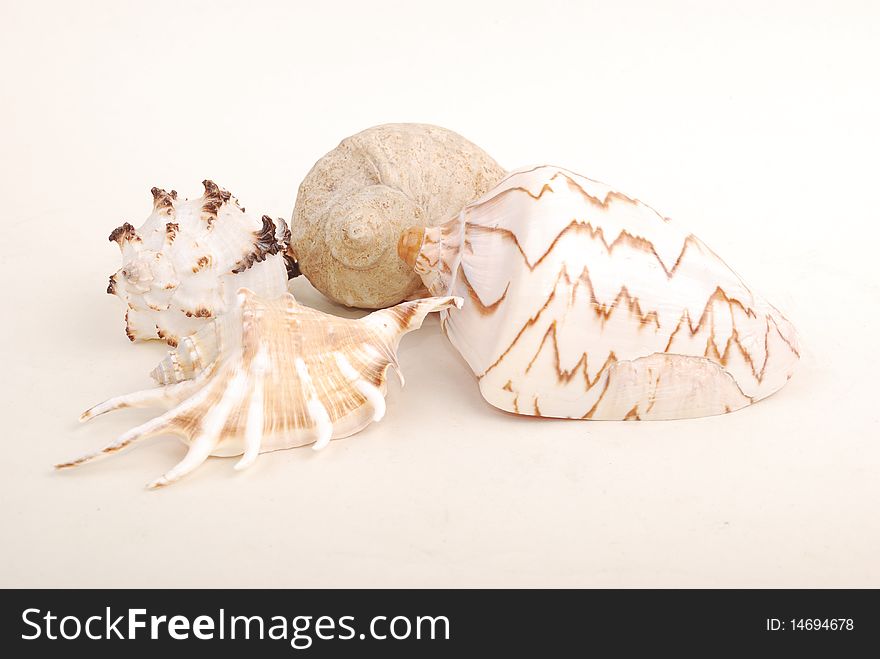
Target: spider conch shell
582,302
353,204
184,265
284,375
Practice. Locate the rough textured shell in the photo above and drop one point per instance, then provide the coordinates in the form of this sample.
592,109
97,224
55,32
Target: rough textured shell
353,204
283,375
582,302
185,263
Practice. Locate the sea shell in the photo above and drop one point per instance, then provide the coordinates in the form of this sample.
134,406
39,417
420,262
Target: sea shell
582,302
185,263
353,204
285,375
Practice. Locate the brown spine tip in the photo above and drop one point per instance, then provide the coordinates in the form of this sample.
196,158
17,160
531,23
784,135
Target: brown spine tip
163,202
122,234
410,244
111,288
215,197
211,188
266,243
266,234
128,332
214,191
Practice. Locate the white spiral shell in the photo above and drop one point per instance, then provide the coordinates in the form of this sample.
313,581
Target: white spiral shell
184,264
581,302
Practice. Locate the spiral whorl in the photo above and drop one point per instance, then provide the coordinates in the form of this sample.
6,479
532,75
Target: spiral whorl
353,205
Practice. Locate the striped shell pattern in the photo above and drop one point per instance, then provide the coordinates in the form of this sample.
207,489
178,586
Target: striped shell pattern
582,302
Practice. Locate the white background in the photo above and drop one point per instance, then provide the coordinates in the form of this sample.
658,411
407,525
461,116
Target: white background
755,124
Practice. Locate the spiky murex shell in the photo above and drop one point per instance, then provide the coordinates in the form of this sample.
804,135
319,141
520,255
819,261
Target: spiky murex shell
184,264
284,375
582,302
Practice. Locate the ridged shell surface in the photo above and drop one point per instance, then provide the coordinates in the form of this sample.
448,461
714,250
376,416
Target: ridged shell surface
284,375
582,302
184,264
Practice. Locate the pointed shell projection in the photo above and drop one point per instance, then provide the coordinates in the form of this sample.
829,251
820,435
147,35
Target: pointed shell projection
581,302
283,375
185,263
353,204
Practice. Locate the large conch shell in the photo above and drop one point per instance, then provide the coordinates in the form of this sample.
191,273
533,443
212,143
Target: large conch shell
184,265
284,375
582,302
353,204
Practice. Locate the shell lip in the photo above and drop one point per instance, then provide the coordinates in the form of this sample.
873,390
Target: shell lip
410,244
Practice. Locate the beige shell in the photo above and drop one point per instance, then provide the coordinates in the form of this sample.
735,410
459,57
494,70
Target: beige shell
356,200
284,375
582,302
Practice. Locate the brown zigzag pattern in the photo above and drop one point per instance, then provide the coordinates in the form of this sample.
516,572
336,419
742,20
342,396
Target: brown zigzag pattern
603,204
605,311
711,351
566,376
575,226
601,310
